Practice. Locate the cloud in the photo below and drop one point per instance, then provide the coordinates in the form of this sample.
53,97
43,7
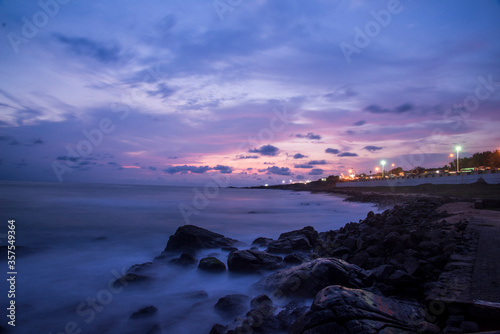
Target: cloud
162,90
248,157
81,46
172,157
376,109
299,156
347,154
277,170
317,162
152,168
185,169
224,169
372,148
269,150
303,166
310,136
332,151
316,171
359,123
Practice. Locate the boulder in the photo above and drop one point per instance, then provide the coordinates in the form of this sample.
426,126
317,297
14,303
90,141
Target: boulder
184,260
262,242
294,259
337,309
212,264
250,261
190,238
231,306
304,239
307,279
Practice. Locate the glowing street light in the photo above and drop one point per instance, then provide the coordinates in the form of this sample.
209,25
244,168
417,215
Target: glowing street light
383,162
458,148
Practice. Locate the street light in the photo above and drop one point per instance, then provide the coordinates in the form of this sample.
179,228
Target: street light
383,162
458,148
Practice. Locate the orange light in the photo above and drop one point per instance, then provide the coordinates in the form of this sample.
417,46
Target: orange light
377,169
393,165
350,171
451,155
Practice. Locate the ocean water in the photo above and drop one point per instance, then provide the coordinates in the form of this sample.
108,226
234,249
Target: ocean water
76,239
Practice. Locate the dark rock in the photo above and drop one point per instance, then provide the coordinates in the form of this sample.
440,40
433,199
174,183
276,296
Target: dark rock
250,261
411,265
140,268
262,242
185,260
261,300
340,251
304,239
232,306
131,278
212,264
230,249
290,314
190,238
307,279
337,309
382,273
144,312
218,329
469,327
294,258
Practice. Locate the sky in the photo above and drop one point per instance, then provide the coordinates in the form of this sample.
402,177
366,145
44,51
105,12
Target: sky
243,92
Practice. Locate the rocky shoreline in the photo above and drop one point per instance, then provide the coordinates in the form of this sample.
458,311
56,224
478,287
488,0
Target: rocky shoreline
392,272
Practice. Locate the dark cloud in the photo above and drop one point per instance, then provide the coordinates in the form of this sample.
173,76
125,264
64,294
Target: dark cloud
372,148
112,163
185,169
332,151
303,166
310,136
68,158
162,90
38,142
299,156
300,177
277,170
152,168
376,109
248,157
347,154
316,171
81,46
359,123
172,157
269,150
224,169
317,162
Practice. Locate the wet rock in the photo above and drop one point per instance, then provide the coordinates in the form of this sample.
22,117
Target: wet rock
184,260
307,279
294,259
155,329
144,312
261,300
231,306
249,261
290,314
131,278
218,329
337,309
262,242
212,264
304,239
190,238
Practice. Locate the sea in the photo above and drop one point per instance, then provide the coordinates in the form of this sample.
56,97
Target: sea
74,240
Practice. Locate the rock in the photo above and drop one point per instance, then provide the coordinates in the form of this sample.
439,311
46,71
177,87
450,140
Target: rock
184,260
340,251
411,265
131,278
212,264
218,329
231,306
144,312
261,300
382,273
337,309
293,258
469,327
307,279
290,314
304,239
190,238
250,261
262,242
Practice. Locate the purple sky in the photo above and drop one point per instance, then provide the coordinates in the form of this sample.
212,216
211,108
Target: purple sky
254,91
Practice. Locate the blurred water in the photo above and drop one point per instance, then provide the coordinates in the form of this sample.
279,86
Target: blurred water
79,237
